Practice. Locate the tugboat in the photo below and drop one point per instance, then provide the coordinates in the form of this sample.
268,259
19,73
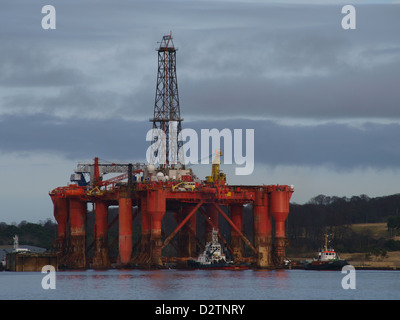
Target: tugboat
327,259
213,257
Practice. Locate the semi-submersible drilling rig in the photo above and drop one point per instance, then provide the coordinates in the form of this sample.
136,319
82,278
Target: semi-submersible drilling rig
141,190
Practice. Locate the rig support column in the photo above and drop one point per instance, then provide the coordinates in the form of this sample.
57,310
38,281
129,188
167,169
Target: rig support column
77,216
156,206
279,202
125,229
61,216
262,230
236,241
144,250
100,258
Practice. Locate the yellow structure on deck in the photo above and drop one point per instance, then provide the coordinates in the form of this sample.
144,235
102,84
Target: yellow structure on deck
216,172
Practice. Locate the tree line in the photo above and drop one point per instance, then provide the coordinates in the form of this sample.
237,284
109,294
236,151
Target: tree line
41,234
308,223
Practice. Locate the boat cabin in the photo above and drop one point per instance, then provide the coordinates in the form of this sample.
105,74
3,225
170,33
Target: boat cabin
327,254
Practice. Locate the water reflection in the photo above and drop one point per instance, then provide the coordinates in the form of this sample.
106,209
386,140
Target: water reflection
200,285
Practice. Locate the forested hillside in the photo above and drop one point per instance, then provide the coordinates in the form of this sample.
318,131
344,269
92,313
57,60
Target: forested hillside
41,234
308,223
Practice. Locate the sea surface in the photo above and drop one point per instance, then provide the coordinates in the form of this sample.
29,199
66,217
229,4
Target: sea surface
201,285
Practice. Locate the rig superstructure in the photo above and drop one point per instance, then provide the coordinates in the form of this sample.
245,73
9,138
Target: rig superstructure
170,187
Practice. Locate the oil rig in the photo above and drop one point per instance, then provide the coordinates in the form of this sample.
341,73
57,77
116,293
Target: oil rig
144,193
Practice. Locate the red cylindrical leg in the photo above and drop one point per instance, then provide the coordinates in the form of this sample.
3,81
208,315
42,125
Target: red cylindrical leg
100,258
144,250
279,203
61,216
125,230
77,209
262,230
156,206
77,215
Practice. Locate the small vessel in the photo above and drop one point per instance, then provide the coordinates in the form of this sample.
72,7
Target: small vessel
213,257
327,259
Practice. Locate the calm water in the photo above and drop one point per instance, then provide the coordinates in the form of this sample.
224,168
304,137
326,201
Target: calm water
200,285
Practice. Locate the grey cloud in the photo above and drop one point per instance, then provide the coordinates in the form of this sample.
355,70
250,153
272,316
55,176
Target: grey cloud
22,65
74,138
352,94
336,145
340,146
245,60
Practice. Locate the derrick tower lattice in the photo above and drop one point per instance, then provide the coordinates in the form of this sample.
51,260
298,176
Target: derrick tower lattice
167,115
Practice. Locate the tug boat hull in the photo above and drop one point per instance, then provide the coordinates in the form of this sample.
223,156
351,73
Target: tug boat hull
326,265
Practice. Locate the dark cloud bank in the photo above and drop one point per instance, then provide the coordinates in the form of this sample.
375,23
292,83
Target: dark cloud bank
234,59
338,145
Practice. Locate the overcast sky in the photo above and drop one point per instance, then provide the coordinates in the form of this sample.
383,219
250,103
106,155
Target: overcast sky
323,101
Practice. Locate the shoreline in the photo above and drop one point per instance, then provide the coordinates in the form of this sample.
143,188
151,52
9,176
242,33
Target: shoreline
359,260
390,268
387,268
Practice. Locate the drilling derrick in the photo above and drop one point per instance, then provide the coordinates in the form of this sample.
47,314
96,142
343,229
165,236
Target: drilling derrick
167,115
